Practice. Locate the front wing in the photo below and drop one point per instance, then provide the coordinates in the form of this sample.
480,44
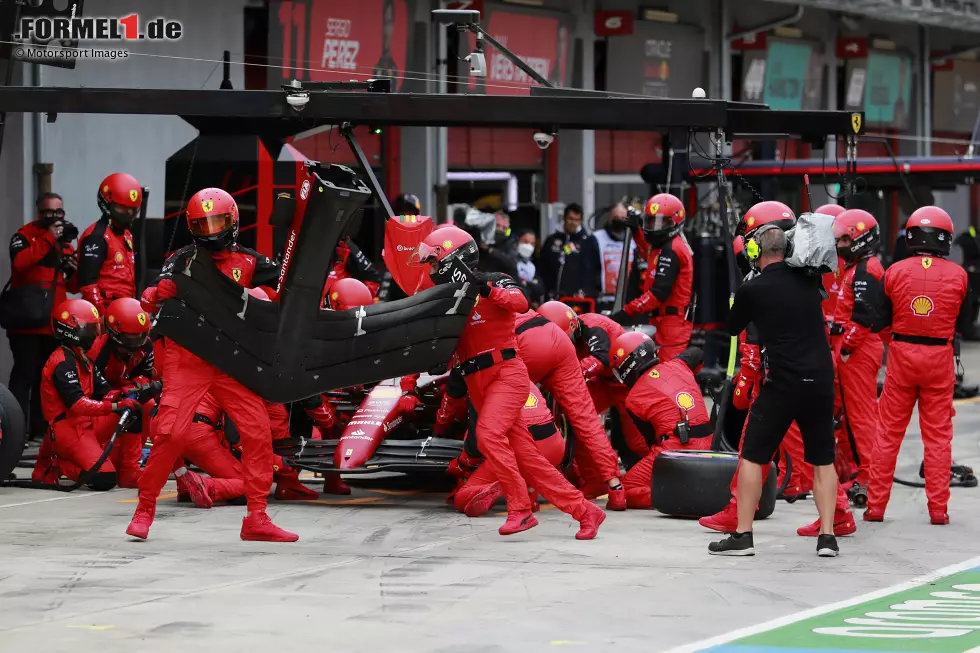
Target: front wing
406,456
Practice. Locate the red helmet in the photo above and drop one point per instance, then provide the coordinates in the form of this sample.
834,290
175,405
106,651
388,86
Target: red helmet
77,324
127,324
349,293
442,249
738,245
861,231
764,213
120,197
562,315
212,217
632,354
929,231
663,218
830,209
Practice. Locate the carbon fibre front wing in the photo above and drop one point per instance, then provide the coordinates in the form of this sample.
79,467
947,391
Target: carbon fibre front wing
425,455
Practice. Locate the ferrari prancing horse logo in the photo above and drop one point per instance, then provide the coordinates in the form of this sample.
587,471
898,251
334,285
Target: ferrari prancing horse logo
133,195
236,274
926,263
207,205
856,122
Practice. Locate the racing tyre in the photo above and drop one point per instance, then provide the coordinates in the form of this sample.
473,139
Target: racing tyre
695,483
12,432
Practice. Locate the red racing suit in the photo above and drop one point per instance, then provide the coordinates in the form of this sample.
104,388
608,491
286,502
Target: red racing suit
551,360
658,402
857,378
351,262
78,405
107,264
923,297
187,379
667,293
541,425
206,447
35,260
497,383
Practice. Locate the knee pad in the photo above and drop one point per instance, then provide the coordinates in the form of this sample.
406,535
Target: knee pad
102,481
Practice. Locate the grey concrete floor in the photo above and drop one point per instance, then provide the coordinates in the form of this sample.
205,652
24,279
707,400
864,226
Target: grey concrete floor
391,570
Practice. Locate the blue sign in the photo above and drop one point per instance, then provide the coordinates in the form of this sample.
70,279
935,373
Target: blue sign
787,65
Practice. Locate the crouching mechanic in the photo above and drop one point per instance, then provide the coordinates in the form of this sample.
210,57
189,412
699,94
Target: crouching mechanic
551,361
212,219
80,406
923,298
497,384
667,291
479,490
664,401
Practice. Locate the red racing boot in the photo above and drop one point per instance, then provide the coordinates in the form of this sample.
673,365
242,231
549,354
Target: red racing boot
590,522
938,517
289,488
142,520
517,522
333,484
257,527
483,501
617,499
725,521
843,525
874,514
195,487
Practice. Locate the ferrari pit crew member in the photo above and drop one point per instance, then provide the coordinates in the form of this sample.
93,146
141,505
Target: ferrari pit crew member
664,401
81,409
784,305
668,290
831,280
212,218
551,360
350,262
593,335
858,351
107,265
923,297
497,383
479,490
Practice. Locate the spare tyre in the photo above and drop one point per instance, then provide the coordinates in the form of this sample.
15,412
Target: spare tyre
12,432
695,483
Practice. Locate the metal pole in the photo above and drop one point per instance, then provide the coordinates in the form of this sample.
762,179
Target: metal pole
442,133
141,270
355,148
513,58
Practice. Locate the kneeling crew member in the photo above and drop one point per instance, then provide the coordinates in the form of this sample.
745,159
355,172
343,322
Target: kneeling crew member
784,304
923,297
664,402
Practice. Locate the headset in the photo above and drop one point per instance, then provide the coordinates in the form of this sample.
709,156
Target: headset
752,248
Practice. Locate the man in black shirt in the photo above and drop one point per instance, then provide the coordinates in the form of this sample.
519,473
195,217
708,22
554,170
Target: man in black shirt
784,305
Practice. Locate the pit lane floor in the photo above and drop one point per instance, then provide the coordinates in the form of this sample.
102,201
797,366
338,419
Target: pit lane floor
397,570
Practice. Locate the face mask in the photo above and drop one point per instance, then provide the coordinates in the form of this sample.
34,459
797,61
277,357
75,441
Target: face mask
525,250
499,236
617,227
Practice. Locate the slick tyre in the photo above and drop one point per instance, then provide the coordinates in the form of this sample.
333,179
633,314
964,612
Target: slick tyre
695,484
13,433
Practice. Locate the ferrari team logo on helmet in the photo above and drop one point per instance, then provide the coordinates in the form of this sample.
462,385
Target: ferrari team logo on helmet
95,312
133,195
654,209
922,306
207,205
141,318
236,274
926,263
684,400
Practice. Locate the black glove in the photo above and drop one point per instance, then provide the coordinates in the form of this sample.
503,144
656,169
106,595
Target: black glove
311,403
634,219
482,281
69,265
621,317
69,232
148,391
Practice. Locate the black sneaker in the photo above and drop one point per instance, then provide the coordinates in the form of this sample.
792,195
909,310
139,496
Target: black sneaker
736,544
827,546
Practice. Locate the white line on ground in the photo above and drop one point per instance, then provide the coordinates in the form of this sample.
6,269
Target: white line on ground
824,609
80,495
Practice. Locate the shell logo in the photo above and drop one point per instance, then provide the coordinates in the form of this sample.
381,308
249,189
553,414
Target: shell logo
446,244
531,402
133,195
141,318
570,315
684,400
105,189
922,306
926,263
333,296
620,352
860,226
118,257
64,315
750,221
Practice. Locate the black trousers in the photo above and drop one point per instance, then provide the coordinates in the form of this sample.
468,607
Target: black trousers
31,351
810,405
